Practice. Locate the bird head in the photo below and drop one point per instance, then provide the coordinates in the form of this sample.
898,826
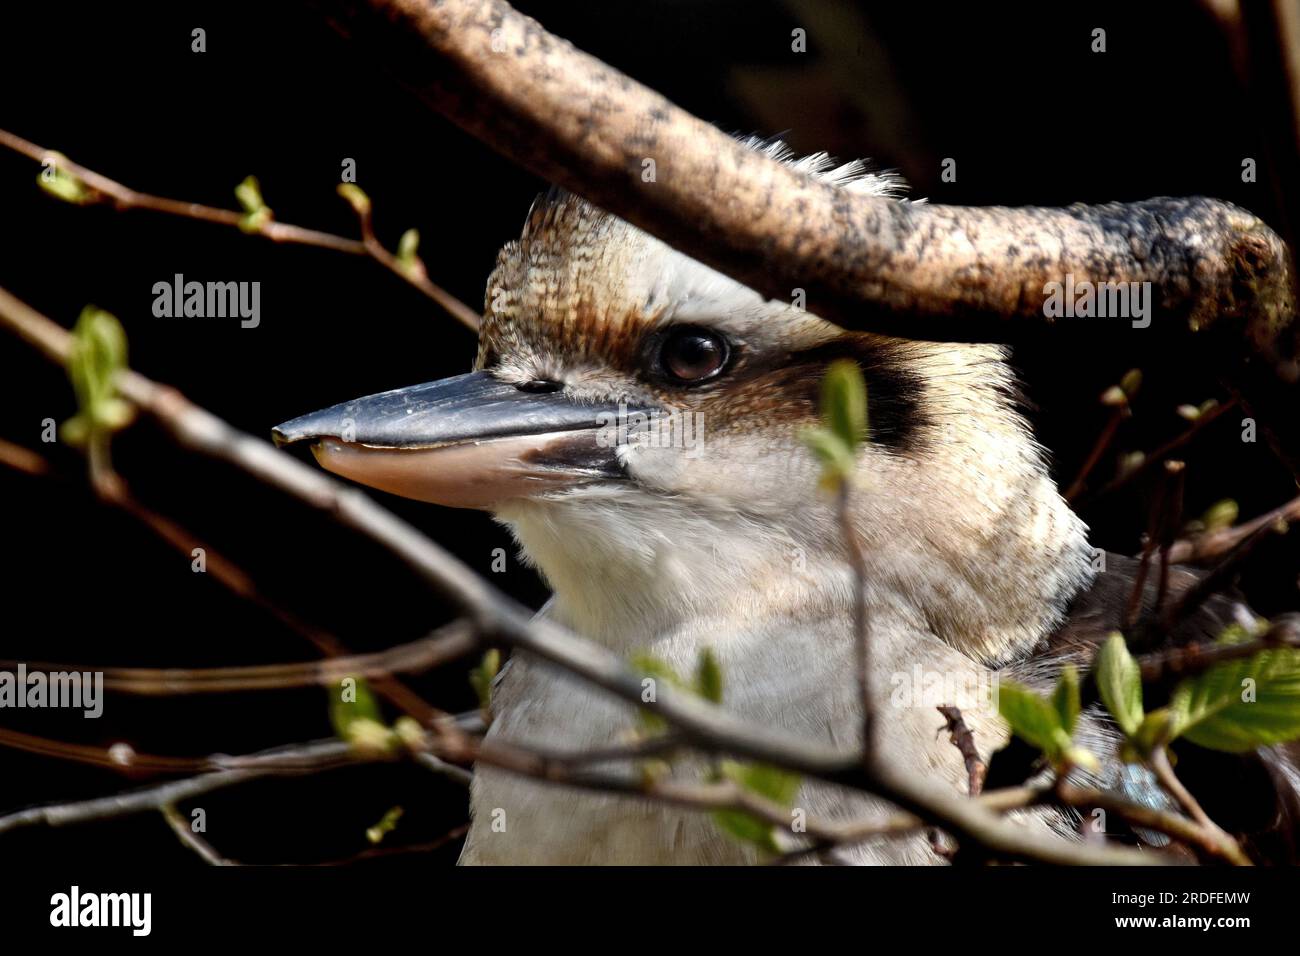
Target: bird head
637,419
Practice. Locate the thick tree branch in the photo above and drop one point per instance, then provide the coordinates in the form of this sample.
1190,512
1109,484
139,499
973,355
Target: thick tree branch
917,271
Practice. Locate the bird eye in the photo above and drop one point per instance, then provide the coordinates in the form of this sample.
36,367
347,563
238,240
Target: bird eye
689,354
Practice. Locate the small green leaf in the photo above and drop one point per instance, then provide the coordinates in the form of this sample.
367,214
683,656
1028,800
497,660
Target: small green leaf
651,666
708,677
355,198
408,248
249,194
779,786
386,825
660,672
1153,732
1082,758
1120,683
254,221
1131,382
75,431
481,677
1238,633
96,355
351,701
835,456
63,185
410,733
747,829
371,738
1032,718
1066,698
1240,705
844,403
256,212
1220,515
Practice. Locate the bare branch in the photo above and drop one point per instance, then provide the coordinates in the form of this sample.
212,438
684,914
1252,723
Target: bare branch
1169,666
103,189
307,758
22,459
448,770
1168,448
192,840
1150,818
448,643
1219,578
1216,543
113,490
1118,413
963,739
861,625
1226,846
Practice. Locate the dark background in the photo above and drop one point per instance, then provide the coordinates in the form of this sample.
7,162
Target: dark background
1013,94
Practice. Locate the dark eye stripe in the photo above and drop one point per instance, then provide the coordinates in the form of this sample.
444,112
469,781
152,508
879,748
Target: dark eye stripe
895,391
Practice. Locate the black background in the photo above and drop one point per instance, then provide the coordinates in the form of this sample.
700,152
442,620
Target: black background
1012,93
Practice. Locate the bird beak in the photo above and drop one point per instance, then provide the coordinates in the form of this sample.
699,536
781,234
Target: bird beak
469,442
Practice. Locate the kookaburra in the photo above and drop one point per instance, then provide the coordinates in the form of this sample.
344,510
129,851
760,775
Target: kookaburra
711,533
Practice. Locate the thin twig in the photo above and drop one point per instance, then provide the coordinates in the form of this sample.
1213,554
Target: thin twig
113,490
21,459
307,757
1216,543
1168,448
1155,537
1133,609
1164,771
1118,413
192,840
1139,815
963,738
1171,519
386,851
1219,578
447,643
103,189
1177,663
861,625
445,769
